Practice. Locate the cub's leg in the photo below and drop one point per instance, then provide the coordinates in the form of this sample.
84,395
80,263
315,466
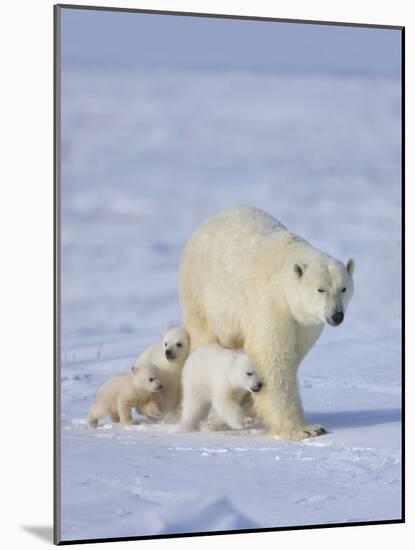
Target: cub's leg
115,417
248,406
192,414
230,412
95,412
215,422
124,411
152,410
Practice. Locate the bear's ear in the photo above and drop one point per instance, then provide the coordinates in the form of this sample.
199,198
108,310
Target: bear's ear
299,270
350,266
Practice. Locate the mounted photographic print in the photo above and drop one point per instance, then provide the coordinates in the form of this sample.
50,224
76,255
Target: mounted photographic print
229,206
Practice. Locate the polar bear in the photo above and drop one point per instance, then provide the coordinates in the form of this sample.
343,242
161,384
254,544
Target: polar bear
125,391
217,377
169,355
247,281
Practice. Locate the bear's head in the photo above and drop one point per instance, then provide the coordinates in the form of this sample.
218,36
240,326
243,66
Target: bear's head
320,291
147,377
176,345
242,374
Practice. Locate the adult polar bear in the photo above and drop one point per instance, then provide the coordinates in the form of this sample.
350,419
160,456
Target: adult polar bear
246,281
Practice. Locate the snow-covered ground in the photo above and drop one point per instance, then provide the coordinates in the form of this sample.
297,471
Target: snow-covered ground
145,158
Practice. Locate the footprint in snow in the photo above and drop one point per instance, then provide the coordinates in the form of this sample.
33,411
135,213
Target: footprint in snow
314,501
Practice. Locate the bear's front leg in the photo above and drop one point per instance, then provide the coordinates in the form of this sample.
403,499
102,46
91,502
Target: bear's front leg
278,403
281,410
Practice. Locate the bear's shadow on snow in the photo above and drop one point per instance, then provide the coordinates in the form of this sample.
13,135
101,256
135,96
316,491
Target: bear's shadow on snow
355,419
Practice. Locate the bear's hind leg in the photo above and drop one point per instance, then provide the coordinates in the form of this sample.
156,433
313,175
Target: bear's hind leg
196,326
201,338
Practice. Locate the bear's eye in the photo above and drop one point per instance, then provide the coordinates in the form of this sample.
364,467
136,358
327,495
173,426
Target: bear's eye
344,289
179,345
151,379
165,344
249,373
321,290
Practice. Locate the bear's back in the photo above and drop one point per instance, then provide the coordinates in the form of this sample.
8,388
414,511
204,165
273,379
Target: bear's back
246,220
230,242
112,387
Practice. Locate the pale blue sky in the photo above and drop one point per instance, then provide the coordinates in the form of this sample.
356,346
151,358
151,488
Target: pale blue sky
91,37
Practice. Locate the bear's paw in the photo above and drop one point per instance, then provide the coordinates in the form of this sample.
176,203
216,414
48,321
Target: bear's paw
305,432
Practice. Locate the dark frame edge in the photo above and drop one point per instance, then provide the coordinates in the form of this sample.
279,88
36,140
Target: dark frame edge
227,16
233,532
56,274
403,313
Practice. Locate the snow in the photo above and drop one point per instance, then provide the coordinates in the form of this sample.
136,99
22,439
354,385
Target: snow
146,156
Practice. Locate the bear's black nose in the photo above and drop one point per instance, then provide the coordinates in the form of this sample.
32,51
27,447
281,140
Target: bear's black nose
257,387
338,317
169,353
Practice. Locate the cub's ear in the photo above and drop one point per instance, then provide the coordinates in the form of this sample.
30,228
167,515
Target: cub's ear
134,370
350,266
299,270
163,334
165,331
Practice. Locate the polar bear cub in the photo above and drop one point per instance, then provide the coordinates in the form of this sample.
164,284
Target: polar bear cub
169,355
125,391
217,377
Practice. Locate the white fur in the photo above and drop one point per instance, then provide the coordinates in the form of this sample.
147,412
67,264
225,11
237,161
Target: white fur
125,391
219,377
246,281
175,342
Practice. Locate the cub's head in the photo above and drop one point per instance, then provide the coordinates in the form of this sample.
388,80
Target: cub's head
321,291
243,375
176,345
147,377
